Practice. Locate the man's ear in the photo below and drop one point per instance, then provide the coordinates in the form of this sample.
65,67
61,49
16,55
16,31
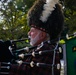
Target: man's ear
43,35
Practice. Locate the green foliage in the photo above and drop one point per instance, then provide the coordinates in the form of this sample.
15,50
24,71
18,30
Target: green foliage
14,24
71,4
70,15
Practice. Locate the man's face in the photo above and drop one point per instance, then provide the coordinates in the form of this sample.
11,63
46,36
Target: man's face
36,36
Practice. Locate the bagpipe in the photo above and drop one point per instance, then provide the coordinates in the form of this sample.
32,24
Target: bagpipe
16,56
